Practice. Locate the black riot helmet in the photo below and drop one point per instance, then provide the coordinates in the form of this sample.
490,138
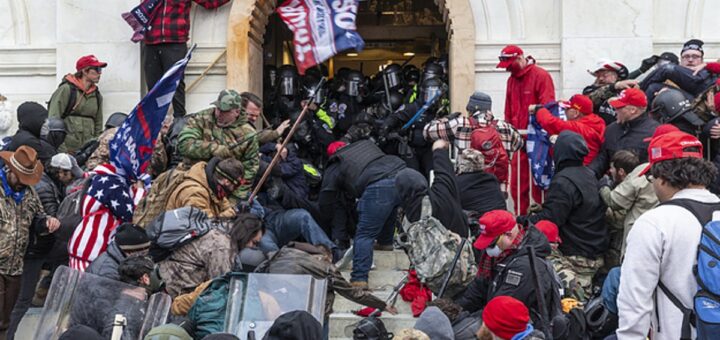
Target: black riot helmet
287,80
396,99
56,132
432,70
353,82
411,74
115,120
270,76
393,76
671,104
430,88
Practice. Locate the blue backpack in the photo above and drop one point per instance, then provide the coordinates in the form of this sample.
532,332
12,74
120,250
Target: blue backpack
705,314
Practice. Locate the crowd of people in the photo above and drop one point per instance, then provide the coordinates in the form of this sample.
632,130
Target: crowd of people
632,162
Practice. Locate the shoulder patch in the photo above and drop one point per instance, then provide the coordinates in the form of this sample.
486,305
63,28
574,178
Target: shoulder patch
513,277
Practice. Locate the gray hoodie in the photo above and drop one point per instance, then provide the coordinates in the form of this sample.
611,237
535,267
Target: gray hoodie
435,324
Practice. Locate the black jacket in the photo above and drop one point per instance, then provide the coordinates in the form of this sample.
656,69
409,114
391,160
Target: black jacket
51,193
513,277
444,194
627,136
106,265
415,131
480,192
573,201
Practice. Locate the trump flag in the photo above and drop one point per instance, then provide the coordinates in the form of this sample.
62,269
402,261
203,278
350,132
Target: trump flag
321,29
132,146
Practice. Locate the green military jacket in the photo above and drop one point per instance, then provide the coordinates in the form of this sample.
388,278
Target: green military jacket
85,119
15,224
201,137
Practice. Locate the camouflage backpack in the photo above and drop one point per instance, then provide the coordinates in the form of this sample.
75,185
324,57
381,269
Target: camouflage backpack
432,248
153,204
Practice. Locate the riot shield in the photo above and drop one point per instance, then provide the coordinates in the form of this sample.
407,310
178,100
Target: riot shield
94,301
256,300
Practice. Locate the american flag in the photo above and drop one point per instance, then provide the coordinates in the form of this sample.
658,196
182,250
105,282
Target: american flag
109,201
538,147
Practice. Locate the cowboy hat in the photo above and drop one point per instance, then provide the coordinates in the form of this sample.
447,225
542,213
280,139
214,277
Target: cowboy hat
24,164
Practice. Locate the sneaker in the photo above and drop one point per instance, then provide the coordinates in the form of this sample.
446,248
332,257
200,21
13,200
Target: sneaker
346,258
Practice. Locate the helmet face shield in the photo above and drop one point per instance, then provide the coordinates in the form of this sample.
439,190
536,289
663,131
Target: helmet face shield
287,86
353,88
393,80
430,92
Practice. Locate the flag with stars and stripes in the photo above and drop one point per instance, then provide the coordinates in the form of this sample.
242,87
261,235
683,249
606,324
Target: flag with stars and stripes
132,146
109,201
538,148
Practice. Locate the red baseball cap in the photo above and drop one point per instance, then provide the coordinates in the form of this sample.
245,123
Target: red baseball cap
672,145
508,54
505,316
493,224
631,96
661,130
88,61
581,103
550,230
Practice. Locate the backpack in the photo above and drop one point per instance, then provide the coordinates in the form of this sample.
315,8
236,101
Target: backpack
208,311
486,139
153,204
176,228
72,100
705,312
69,211
432,248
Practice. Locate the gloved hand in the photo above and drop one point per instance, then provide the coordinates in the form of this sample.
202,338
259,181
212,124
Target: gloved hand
522,220
222,151
534,208
647,63
605,181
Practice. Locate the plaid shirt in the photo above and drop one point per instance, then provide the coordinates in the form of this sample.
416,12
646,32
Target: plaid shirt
452,129
171,23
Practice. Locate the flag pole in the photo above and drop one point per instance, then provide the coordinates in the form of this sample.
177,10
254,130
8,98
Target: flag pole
285,141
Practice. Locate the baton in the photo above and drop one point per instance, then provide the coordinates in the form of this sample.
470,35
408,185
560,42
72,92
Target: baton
446,281
276,158
539,295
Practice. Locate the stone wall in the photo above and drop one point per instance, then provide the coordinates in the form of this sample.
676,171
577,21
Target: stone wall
41,39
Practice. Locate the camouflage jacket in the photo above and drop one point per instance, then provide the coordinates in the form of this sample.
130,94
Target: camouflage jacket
201,137
196,262
101,155
15,223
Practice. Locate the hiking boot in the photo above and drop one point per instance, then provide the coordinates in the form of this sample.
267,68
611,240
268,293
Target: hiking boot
363,285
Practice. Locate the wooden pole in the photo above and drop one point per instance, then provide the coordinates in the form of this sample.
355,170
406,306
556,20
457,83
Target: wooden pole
205,72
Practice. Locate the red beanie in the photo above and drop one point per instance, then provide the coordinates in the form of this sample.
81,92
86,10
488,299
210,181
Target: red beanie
334,147
505,316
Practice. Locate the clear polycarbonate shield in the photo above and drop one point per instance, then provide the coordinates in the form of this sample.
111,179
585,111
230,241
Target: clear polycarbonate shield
78,298
256,300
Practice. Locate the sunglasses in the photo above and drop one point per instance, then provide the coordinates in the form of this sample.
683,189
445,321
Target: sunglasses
495,241
96,69
505,58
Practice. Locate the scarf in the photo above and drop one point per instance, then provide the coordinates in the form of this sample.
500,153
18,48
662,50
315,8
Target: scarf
139,18
17,196
538,148
487,263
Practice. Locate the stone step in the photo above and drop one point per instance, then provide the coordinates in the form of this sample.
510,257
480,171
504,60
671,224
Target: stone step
387,260
340,321
26,329
381,279
343,305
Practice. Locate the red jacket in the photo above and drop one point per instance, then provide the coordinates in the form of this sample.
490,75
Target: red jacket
591,127
171,22
532,85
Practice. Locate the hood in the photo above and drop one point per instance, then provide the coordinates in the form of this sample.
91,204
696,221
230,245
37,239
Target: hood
32,120
435,324
536,239
79,84
412,187
296,325
115,253
595,122
569,146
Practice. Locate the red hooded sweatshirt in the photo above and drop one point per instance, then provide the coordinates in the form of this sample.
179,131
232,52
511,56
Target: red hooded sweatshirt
591,127
531,85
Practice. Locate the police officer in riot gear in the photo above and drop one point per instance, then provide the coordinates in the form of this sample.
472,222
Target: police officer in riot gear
348,103
270,80
393,76
671,106
411,75
413,147
433,70
288,94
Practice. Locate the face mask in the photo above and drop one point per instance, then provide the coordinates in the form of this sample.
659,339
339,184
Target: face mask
494,251
514,68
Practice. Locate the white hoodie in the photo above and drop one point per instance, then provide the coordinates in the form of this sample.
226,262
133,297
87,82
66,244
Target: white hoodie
662,246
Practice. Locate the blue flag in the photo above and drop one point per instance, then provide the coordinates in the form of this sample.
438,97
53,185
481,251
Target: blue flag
538,148
132,146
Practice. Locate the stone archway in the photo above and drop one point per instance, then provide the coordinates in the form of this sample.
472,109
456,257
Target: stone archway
246,28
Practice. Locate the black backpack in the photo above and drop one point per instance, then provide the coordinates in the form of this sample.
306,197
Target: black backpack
175,228
69,212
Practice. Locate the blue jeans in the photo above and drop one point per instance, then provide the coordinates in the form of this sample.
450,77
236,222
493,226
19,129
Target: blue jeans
284,227
610,290
375,221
